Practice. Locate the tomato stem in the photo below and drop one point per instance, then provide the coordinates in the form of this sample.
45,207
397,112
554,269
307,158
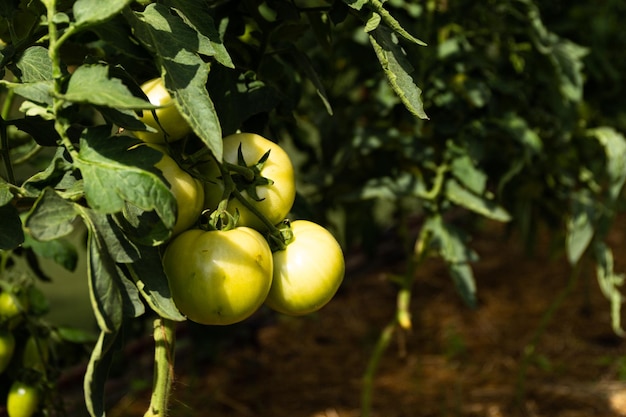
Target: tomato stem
164,342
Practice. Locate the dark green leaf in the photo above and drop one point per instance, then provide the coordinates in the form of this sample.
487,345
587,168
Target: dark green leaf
61,251
398,70
197,16
92,84
91,12
51,217
41,130
116,171
465,171
142,227
305,64
11,233
56,173
102,273
98,371
238,97
149,277
122,118
120,249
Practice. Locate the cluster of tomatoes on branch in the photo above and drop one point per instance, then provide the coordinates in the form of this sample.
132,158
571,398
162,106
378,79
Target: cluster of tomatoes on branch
232,249
24,354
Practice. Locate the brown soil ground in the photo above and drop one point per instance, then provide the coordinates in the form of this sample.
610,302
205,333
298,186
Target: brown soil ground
454,362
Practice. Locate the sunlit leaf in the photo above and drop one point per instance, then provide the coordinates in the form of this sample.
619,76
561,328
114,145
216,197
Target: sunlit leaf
398,70
92,84
115,171
461,196
91,12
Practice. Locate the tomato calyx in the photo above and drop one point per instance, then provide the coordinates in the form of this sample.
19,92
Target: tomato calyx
280,236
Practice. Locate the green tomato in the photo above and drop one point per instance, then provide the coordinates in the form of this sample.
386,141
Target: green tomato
168,115
7,348
23,400
275,199
188,191
218,277
11,308
308,272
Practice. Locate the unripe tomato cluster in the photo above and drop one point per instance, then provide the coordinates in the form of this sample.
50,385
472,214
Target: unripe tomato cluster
23,360
222,275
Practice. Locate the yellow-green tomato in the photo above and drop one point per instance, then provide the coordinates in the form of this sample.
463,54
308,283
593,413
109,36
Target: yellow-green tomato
168,115
188,191
23,399
7,348
275,199
11,308
308,272
218,277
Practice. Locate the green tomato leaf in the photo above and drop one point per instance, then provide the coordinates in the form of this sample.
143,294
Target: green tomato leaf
463,278
580,228
238,97
58,174
185,73
106,298
98,371
92,12
51,217
609,283
92,84
306,65
397,69
448,241
614,145
119,247
463,197
6,196
465,171
11,233
35,65
37,92
61,251
356,4
149,277
116,172
197,16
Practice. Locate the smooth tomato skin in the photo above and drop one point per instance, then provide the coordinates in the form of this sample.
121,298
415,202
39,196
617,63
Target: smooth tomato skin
11,308
188,191
169,117
23,400
218,277
276,199
308,272
7,348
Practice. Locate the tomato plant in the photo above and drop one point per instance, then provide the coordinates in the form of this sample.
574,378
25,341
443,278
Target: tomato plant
307,272
169,124
269,186
516,123
23,399
220,276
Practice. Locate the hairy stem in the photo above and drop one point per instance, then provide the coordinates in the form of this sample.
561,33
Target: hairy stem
164,342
